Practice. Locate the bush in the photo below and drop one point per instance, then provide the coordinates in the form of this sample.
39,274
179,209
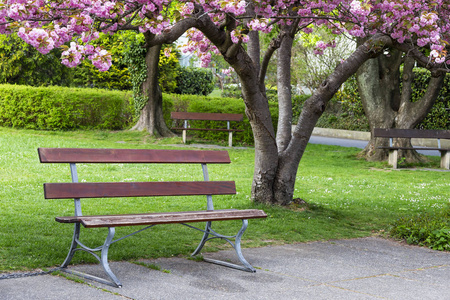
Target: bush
56,108
21,63
173,102
336,115
232,91
195,81
426,229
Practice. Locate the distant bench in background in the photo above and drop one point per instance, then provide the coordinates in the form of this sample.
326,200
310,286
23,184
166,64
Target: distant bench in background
414,133
187,116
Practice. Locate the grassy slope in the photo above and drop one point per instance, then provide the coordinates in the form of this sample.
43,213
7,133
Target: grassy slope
346,198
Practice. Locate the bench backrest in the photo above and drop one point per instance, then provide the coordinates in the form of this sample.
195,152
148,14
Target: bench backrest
79,190
206,116
411,133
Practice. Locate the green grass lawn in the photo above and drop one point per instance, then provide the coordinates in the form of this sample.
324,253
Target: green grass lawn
346,198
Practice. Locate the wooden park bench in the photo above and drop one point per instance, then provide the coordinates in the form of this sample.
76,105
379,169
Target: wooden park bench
79,190
414,133
187,116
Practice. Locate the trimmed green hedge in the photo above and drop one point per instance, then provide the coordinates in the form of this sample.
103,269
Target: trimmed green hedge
56,108
60,108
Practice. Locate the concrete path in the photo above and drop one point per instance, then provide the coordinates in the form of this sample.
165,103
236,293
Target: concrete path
366,268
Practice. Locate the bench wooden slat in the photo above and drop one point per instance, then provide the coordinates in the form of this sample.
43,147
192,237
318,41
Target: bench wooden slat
206,116
163,218
137,189
413,148
207,129
411,133
80,155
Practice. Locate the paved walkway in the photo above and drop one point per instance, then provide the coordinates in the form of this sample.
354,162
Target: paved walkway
366,268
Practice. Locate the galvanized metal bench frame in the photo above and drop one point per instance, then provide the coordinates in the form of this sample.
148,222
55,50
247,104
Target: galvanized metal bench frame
186,116
414,133
59,191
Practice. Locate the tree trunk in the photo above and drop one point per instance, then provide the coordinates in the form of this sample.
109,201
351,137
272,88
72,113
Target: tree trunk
151,117
275,170
284,90
386,105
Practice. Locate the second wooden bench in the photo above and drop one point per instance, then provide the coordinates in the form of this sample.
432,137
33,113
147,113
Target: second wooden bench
187,116
394,133
80,190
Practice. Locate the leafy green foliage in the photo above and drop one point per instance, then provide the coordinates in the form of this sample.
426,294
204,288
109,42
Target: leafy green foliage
425,229
337,115
195,81
169,69
117,77
134,57
232,91
20,63
58,108
439,116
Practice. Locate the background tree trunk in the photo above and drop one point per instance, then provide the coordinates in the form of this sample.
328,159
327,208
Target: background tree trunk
388,105
151,118
284,90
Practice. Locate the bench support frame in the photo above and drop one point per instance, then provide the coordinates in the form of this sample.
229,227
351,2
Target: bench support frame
115,282
76,245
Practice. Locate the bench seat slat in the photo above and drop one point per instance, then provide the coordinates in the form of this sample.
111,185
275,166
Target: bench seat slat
163,218
137,189
413,148
207,129
206,116
84,155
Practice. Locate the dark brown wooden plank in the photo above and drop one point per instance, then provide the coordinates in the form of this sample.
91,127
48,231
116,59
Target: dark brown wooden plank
165,218
206,129
206,116
411,133
83,155
413,148
137,189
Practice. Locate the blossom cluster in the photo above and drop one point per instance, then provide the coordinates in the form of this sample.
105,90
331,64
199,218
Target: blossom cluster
47,24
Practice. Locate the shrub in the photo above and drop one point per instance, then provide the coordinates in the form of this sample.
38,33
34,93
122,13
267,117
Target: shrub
426,229
195,81
21,63
57,108
232,91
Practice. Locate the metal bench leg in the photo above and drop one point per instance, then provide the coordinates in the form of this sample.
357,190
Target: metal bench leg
393,157
103,259
230,139
236,245
73,246
204,239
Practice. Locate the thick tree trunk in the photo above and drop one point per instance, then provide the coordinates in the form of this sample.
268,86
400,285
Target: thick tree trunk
378,85
151,117
388,106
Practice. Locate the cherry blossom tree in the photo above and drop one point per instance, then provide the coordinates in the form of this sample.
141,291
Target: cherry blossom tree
417,28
